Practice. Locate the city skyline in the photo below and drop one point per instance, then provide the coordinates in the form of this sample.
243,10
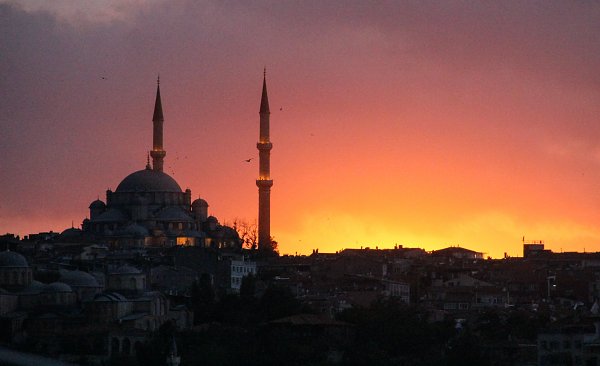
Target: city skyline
423,125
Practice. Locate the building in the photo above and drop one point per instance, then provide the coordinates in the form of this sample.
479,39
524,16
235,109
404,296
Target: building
570,345
149,208
240,269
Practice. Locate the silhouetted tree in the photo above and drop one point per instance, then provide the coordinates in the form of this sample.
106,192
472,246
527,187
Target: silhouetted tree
278,302
248,233
465,349
274,246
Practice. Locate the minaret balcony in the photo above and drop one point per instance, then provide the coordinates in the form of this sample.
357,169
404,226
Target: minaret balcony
262,146
264,182
158,153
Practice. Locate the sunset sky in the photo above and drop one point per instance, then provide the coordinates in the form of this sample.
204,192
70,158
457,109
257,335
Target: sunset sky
418,123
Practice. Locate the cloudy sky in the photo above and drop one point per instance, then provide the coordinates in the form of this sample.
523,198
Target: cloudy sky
425,123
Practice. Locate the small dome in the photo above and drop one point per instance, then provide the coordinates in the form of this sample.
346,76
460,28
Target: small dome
12,259
78,279
200,202
71,233
58,287
212,219
35,288
98,204
148,180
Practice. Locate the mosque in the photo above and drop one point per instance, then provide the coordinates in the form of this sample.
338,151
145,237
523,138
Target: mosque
149,208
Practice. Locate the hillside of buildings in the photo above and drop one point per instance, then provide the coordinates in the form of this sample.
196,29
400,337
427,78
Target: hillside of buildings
95,304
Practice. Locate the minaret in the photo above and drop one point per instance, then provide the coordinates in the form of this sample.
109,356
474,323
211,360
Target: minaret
157,152
264,181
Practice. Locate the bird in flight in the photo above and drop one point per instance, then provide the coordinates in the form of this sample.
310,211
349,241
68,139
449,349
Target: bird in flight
248,160
103,77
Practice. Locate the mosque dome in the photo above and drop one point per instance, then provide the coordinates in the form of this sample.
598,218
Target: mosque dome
70,233
58,287
78,279
12,259
97,204
34,288
199,202
148,180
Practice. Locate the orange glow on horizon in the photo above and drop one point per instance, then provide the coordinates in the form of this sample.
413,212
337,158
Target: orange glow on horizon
408,124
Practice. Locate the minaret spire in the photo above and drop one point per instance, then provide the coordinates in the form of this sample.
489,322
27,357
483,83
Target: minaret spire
264,100
264,181
157,152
